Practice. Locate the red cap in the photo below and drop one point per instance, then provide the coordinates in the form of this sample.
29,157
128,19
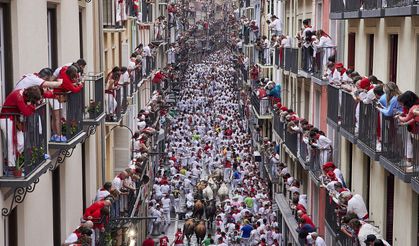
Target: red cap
283,108
365,84
338,65
328,165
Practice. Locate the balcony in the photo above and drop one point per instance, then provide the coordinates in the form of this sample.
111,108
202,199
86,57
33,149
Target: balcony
67,121
262,106
160,34
279,126
333,106
415,179
348,120
146,12
315,165
333,223
24,146
290,58
303,153
315,67
111,17
94,103
368,137
291,142
372,8
396,142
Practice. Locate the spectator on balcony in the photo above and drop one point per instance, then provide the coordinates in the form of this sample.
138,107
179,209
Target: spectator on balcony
42,79
330,167
314,239
81,234
69,75
80,64
363,230
112,85
266,51
324,44
410,102
254,30
18,102
354,204
391,106
275,25
323,144
104,192
339,74
121,190
304,217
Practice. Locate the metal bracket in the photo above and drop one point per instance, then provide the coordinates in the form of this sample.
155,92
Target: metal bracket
91,130
64,153
19,194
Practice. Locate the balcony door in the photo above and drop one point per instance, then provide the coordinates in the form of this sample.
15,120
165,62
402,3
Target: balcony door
351,50
393,53
390,206
52,37
370,53
6,67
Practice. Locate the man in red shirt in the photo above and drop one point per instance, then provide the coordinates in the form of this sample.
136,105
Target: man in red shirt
164,241
179,237
148,241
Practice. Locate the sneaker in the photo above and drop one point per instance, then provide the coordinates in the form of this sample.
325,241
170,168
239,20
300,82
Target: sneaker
62,139
55,138
47,157
378,147
409,169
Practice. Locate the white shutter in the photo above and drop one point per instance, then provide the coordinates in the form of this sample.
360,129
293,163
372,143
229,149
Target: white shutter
125,54
121,148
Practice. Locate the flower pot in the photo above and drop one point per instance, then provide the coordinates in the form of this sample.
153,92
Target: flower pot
17,172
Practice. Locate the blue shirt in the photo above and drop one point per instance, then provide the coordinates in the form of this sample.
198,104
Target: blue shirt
392,108
247,229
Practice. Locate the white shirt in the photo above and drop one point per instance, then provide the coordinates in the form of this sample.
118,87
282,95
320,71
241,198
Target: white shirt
357,206
318,242
276,25
101,194
117,183
28,80
57,71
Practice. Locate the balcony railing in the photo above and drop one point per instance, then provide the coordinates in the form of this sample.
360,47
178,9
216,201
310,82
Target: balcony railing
149,65
352,5
279,126
369,128
146,12
348,109
246,35
333,106
315,163
113,104
262,106
294,60
400,3
316,65
397,153
333,220
337,6
277,56
287,59
372,4
160,33
291,141
111,17
125,94
389,7
24,142
303,151
94,103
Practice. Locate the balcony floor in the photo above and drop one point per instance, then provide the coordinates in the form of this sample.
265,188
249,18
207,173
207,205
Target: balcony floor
15,182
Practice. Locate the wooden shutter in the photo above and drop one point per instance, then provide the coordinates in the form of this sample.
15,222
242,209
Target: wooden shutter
351,50
394,43
390,206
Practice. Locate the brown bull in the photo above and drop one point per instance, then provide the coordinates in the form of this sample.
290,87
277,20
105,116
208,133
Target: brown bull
200,231
198,210
188,229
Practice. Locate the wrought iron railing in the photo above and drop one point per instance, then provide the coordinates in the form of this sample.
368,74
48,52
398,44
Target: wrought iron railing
352,5
277,56
400,3
67,119
110,14
333,106
303,149
372,4
124,102
294,60
287,59
24,142
93,90
369,126
149,65
291,141
320,61
348,109
279,126
397,144
146,11
337,6
315,163
246,35
262,106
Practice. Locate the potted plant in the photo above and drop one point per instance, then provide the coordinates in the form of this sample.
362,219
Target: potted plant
93,109
20,161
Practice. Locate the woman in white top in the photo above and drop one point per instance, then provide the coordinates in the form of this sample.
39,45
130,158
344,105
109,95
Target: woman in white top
325,42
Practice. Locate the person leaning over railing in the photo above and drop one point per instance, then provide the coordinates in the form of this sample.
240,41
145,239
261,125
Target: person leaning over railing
19,102
70,77
409,101
112,85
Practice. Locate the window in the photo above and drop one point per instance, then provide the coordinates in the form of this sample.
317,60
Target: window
52,37
319,16
370,53
351,50
393,52
6,68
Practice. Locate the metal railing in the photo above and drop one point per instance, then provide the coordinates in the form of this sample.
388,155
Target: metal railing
294,60
348,108
333,106
303,149
315,163
246,35
73,116
279,126
125,94
320,61
337,6
146,11
352,5
372,4
24,141
160,32
287,59
369,126
277,56
113,104
110,14
400,3
397,143
291,141
94,90
149,65
262,106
